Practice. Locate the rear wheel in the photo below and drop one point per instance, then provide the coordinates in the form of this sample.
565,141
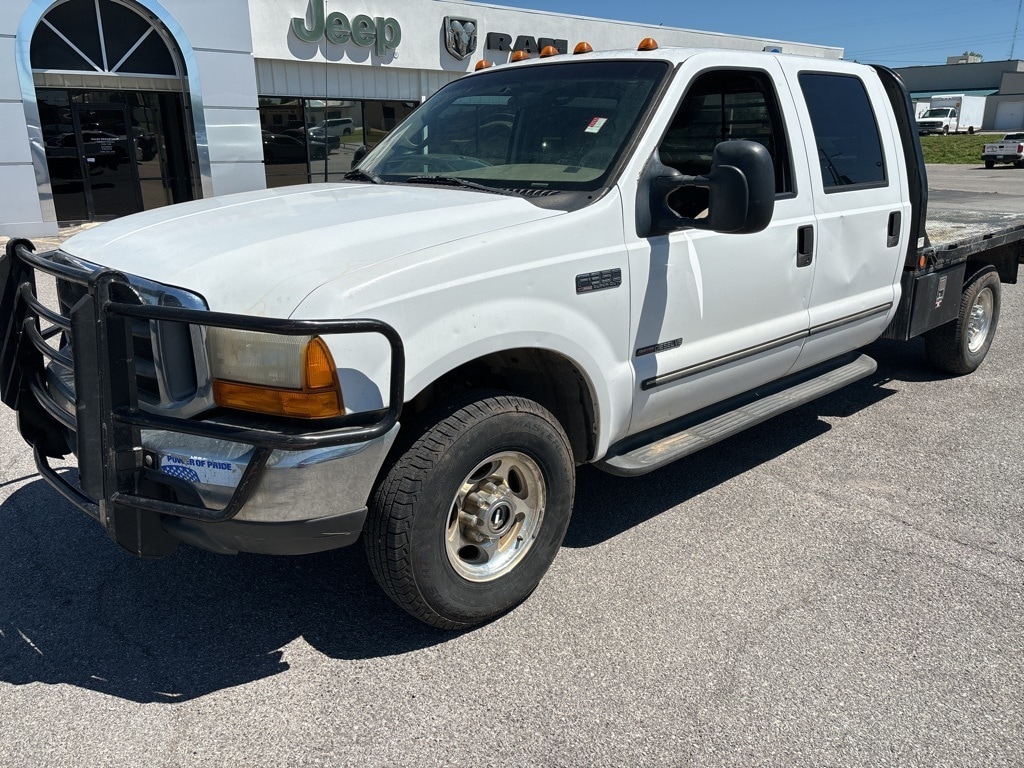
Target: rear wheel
990,163
470,516
960,346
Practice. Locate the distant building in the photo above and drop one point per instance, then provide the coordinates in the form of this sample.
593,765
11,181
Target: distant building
964,58
1001,82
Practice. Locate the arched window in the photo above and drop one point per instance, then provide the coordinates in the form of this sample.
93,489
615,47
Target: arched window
100,36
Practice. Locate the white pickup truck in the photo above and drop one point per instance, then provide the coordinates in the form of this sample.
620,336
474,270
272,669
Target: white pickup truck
1009,150
611,258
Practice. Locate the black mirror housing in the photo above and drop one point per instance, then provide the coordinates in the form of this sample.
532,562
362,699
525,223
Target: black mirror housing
742,188
741,192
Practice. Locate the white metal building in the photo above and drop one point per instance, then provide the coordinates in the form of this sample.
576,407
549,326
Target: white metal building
108,107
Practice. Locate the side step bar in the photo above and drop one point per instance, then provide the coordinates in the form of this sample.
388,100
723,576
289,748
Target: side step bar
666,449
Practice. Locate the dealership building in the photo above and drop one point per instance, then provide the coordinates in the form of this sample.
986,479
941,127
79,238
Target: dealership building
109,107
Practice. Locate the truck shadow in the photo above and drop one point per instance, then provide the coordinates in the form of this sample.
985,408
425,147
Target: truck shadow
607,506
76,610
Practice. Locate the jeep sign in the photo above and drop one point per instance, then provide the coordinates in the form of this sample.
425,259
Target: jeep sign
383,34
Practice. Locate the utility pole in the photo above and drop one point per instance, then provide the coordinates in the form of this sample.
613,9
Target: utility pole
1016,25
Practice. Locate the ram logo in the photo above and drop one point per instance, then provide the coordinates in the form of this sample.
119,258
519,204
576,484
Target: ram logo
460,36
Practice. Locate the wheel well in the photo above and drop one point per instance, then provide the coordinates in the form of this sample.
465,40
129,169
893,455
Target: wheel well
1005,258
545,377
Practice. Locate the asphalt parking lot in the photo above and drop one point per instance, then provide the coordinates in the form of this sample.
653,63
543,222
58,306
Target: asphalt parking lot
841,586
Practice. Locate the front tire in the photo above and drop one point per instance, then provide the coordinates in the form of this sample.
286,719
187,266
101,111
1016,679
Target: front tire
959,347
471,515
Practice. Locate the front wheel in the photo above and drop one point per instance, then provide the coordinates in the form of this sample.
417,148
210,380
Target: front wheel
960,346
471,515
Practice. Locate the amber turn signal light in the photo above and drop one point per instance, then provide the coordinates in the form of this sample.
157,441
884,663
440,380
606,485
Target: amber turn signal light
278,402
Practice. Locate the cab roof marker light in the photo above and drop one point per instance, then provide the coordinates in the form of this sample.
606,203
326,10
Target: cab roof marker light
549,50
519,56
482,64
648,44
582,47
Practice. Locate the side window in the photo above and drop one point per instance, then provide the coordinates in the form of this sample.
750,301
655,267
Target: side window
720,106
845,131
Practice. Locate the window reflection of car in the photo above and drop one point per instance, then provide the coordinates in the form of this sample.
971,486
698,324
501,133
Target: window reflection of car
332,130
145,144
278,148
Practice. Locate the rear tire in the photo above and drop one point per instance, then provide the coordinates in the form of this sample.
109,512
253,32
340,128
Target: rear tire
959,347
990,163
470,516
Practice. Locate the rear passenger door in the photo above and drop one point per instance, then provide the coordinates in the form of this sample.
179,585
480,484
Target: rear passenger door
858,177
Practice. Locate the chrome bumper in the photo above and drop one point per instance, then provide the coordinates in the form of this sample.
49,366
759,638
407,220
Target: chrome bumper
295,485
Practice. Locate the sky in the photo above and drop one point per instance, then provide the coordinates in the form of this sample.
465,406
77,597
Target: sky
897,34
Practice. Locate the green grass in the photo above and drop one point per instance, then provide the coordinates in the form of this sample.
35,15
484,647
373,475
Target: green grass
955,150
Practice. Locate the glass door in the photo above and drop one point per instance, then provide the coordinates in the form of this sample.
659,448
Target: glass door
109,161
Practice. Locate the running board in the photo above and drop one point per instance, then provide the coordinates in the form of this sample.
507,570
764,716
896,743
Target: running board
656,454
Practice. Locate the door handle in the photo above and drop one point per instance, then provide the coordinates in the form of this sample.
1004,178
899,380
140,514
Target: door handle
804,246
894,229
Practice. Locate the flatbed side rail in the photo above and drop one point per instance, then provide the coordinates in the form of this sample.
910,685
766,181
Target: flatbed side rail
105,431
931,289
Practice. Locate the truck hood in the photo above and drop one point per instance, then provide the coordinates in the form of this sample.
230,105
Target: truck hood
262,252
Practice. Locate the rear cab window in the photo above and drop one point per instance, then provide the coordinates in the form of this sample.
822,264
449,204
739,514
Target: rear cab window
846,135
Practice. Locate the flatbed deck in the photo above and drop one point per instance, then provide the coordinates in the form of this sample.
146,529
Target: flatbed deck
948,227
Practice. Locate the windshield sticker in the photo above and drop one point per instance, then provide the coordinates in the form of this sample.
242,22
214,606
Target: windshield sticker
596,125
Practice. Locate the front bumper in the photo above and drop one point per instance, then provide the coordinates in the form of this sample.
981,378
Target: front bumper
233,468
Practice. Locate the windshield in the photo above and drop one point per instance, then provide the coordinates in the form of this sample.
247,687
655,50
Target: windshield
557,127
936,113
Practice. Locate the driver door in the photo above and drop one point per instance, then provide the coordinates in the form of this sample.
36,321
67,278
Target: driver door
719,314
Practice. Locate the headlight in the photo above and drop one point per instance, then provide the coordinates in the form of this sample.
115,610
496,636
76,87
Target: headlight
269,373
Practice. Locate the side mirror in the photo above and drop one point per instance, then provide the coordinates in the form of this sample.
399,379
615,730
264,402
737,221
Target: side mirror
359,154
741,191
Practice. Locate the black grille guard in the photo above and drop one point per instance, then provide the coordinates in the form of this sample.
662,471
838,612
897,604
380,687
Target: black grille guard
116,486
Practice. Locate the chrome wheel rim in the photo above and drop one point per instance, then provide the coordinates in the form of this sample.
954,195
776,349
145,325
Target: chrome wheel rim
495,517
979,322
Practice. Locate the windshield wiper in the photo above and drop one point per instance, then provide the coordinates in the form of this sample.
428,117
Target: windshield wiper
455,181
358,174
